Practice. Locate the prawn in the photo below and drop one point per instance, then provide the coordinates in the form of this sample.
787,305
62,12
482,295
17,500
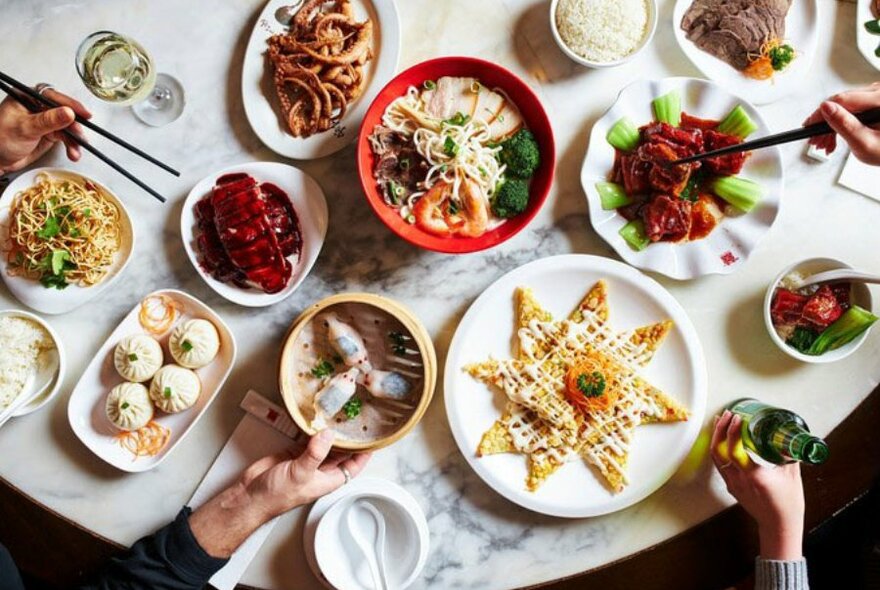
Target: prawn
434,215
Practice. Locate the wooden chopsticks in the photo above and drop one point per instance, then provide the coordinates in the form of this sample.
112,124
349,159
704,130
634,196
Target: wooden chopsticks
35,103
869,117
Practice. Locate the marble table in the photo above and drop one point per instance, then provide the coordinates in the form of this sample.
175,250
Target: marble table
479,540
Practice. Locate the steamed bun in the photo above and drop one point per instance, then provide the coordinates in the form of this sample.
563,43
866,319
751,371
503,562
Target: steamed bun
175,389
194,343
137,358
128,406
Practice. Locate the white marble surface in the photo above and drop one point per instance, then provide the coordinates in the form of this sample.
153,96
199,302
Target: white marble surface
478,539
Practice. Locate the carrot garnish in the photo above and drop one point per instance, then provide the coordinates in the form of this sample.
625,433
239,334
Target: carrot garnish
158,313
145,442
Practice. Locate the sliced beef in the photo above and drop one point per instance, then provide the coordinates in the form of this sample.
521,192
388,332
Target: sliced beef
396,164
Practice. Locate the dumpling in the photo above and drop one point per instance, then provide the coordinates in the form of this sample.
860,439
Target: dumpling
194,343
175,389
128,406
138,357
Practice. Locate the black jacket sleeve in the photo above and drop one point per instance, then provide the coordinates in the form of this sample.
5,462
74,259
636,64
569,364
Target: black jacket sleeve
170,559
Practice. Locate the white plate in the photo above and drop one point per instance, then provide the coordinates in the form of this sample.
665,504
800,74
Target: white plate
54,301
730,244
42,400
85,410
366,486
559,283
257,89
311,209
801,32
866,42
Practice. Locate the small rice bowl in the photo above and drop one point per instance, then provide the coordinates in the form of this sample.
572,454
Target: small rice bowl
602,31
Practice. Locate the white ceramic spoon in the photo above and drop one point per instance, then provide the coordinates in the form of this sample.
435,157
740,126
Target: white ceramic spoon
841,274
380,542
36,383
367,537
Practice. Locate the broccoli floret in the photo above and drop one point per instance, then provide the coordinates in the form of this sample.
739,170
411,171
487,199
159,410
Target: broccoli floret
520,154
511,198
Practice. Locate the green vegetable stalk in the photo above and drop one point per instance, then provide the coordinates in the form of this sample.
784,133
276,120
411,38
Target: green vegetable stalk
847,328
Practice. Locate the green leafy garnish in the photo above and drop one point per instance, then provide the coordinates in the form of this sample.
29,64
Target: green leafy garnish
323,369
398,342
458,119
592,385
352,408
186,345
691,190
167,392
132,357
450,148
50,229
54,266
802,339
873,27
781,56
87,212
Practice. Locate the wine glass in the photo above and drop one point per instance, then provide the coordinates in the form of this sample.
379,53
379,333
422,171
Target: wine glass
117,69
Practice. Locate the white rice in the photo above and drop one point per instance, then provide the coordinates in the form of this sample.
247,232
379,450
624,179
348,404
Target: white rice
602,30
21,341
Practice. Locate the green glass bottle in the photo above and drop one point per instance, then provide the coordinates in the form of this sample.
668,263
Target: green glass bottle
777,435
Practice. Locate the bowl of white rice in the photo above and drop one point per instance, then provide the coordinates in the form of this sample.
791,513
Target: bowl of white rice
603,33
23,337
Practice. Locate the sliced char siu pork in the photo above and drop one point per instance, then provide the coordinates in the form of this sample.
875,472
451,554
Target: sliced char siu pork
247,232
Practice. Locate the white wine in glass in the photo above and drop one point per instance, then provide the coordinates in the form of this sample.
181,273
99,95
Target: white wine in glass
117,69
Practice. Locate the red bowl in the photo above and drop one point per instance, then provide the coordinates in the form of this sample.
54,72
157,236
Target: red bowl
493,76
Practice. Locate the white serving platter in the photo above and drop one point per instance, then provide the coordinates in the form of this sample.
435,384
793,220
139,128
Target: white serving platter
866,42
801,32
85,409
311,209
559,283
54,301
731,243
261,105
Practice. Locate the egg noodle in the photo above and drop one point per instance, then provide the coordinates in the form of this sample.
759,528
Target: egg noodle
456,149
62,231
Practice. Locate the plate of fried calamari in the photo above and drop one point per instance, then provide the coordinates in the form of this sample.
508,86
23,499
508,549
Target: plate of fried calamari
575,386
311,69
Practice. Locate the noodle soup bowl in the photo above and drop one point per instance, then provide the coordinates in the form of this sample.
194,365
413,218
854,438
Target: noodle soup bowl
57,301
491,76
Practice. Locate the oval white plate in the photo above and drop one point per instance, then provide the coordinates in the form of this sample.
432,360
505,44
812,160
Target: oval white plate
311,208
730,244
559,283
85,409
867,43
54,301
43,399
258,91
801,31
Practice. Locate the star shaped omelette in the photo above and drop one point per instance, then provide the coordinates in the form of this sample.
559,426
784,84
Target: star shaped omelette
541,423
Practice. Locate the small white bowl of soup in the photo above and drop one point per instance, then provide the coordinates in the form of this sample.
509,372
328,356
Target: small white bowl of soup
782,334
603,33
395,342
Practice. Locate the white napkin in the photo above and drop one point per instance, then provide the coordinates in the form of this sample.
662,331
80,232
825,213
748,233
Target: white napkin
252,439
860,177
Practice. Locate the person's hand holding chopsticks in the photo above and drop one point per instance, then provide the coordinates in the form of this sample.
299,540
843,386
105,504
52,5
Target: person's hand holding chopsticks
24,136
837,111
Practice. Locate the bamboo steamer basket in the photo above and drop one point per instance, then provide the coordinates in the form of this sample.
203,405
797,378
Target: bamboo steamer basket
291,395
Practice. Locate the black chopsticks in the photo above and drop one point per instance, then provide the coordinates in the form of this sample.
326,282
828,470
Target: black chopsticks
869,117
35,103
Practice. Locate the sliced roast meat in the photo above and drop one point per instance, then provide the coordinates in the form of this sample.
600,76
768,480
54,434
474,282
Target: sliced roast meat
667,218
723,165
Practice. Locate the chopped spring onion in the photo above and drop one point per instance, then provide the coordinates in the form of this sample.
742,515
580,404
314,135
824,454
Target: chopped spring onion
186,345
624,135
612,195
167,392
450,148
411,219
847,328
667,108
634,235
873,27
739,192
132,357
738,123
429,85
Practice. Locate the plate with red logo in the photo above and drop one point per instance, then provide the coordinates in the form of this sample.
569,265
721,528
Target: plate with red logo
720,245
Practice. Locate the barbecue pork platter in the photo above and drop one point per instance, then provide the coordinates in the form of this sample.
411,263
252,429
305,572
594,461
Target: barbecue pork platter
253,231
683,221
